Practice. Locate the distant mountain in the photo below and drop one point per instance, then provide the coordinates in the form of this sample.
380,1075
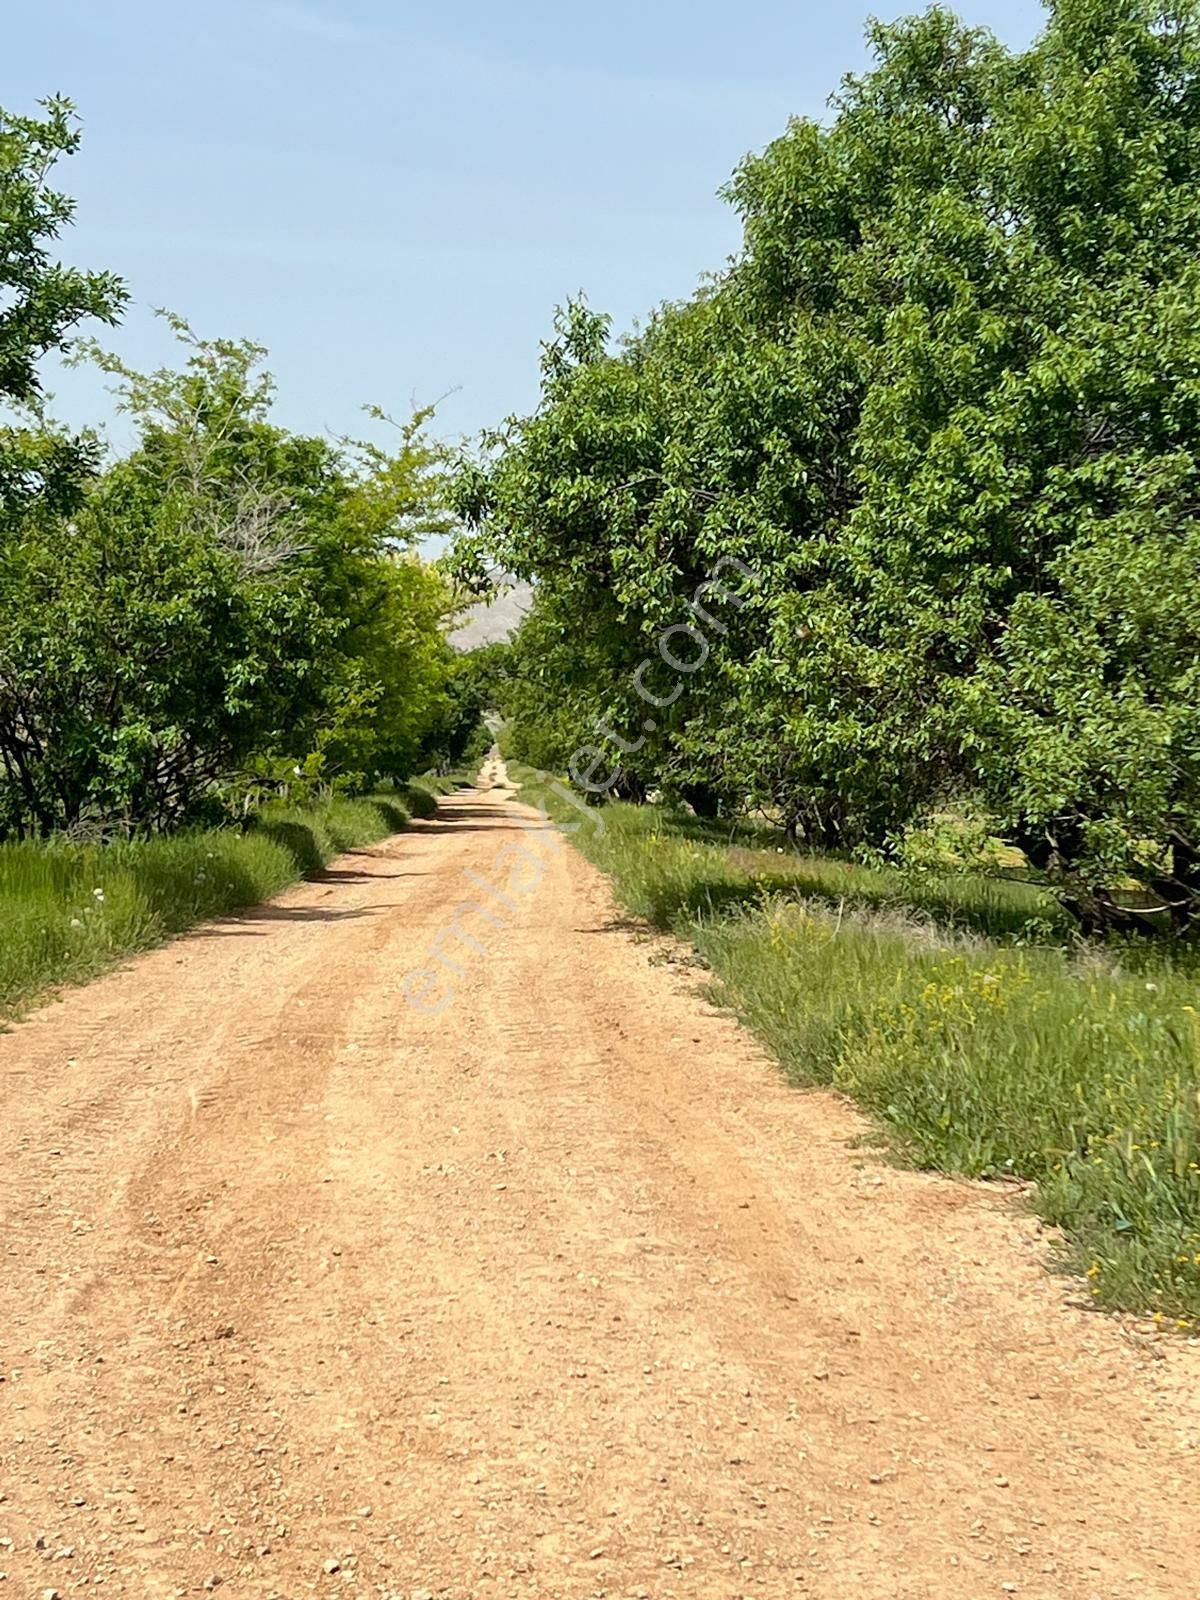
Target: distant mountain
492,620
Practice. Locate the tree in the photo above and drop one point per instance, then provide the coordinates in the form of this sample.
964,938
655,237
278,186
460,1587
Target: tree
41,302
229,603
943,408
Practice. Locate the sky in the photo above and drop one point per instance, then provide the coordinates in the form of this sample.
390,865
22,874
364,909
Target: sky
394,198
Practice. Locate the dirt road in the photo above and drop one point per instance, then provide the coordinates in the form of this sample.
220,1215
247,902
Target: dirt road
555,1291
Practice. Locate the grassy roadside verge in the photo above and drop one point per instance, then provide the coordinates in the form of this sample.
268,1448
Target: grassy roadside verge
69,912
954,1010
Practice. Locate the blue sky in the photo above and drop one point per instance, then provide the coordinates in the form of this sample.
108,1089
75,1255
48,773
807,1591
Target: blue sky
393,198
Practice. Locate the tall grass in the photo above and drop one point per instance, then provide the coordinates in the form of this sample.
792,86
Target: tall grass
958,1011
69,911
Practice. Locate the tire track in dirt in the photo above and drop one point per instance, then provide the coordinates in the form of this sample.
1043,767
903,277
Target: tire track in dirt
560,1292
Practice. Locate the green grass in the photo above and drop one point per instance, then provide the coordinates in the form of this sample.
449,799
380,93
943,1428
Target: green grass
69,911
959,1012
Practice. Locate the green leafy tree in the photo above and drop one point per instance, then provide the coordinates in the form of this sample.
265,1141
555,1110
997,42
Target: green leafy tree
41,303
942,408
229,603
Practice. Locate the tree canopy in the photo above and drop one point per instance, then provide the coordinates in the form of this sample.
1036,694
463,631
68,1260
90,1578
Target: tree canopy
228,608
942,407
41,303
